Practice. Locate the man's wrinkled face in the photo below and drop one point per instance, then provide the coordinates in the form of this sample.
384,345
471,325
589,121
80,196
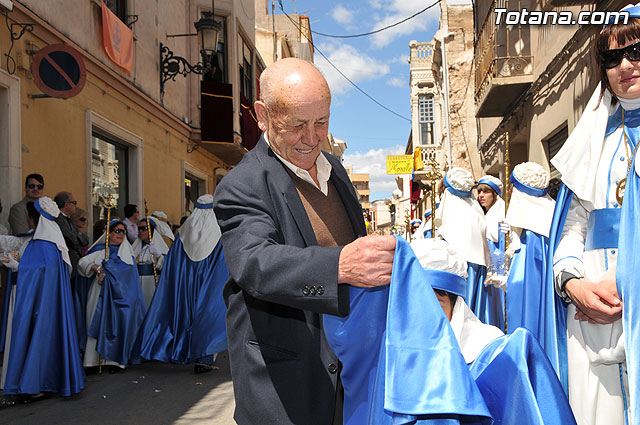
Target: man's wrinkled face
297,129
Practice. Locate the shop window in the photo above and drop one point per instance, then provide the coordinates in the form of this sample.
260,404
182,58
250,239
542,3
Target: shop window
109,176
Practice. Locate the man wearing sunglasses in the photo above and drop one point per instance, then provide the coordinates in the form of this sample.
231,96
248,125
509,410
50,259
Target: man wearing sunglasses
74,238
18,217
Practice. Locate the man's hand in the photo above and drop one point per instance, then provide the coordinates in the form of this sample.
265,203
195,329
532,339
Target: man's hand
367,261
595,303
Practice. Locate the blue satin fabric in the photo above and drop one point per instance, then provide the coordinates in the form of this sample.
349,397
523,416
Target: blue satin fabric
628,266
12,276
357,340
532,298
186,319
416,367
525,188
120,310
145,269
44,353
518,383
80,298
486,302
559,361
450,188
603,229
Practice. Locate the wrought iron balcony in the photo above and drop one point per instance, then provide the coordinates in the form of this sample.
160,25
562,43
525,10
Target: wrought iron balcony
504,63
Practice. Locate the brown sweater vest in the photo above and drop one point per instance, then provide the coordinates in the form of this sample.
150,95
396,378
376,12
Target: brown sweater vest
327,214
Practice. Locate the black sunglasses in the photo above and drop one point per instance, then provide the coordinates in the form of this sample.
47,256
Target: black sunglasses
73,202
119,231
612,58
143,228
83,219
33,186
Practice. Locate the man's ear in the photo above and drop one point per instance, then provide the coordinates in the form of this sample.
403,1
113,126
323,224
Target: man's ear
262,114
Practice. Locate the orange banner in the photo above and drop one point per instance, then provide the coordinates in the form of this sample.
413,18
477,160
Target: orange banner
117,39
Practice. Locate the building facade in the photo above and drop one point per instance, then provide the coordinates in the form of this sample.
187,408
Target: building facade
121,138
532,82
442,108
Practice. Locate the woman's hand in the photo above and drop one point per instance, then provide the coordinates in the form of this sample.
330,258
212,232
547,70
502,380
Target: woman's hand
596,303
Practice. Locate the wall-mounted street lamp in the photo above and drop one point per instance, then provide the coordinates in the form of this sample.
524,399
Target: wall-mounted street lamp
207,30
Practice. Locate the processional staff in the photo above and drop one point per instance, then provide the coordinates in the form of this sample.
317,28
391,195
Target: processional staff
434,175
507,197
153,260
108,205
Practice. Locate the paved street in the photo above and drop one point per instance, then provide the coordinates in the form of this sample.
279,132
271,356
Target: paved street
152,393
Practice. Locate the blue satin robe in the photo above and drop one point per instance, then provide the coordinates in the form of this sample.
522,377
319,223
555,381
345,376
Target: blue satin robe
486,302
402,363
44,353
628,265
186,319
12,277
80,298
399,355
120,310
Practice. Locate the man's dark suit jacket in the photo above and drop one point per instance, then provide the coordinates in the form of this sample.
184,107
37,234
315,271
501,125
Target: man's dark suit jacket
74,238
282,367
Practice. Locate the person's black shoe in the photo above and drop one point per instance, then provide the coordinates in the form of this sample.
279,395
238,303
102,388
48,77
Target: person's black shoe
114,369
92,370
203,368
28,398
7,401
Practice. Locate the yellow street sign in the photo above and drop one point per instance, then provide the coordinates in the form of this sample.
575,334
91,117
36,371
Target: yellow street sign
399,164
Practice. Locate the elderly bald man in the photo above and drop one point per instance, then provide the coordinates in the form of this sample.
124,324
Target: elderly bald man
294,238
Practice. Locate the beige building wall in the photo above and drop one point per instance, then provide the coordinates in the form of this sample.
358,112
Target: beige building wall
360,183
292,34
563,77
459,50
53,136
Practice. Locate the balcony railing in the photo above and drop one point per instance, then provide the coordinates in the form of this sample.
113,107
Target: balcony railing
422,53
429,153
501,50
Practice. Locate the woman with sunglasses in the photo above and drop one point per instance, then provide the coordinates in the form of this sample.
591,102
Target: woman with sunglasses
115,306
597,222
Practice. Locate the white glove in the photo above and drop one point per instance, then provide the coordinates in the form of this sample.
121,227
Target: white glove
9,261
154,251
498,281
505,228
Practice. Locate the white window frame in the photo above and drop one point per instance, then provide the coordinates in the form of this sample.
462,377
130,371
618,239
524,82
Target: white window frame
134,145
11,190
